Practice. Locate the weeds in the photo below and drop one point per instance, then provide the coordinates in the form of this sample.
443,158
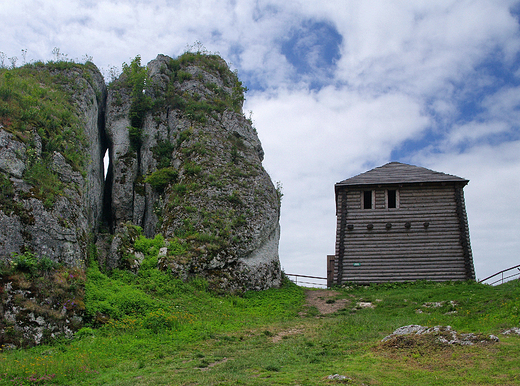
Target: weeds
162,153
196,107
28,262
161,178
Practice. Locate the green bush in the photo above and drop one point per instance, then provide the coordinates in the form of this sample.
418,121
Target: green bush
161,178
29,263
84,333
234,198
183,75
45,264
191,169
183,136
149,246
176,247
162,153
25,262
136,137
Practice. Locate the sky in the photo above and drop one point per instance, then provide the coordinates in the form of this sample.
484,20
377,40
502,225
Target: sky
336,88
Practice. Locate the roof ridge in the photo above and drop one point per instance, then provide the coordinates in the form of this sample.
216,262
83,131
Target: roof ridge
398,172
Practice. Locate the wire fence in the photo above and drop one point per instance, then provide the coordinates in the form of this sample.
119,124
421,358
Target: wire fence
510,274
305,281
321,282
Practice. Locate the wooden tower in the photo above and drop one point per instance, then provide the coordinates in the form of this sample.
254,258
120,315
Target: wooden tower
401,222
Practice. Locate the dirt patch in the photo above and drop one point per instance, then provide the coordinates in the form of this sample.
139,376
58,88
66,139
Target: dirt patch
324,301
294,331
224,360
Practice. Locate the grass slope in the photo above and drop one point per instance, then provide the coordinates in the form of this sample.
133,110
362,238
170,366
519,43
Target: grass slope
152,329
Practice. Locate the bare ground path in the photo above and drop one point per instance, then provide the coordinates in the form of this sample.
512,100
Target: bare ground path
325,301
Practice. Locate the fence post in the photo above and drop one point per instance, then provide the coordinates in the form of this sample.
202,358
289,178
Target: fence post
330,270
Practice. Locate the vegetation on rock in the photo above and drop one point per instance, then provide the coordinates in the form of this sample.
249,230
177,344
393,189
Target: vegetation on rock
41,301
35,106
200,162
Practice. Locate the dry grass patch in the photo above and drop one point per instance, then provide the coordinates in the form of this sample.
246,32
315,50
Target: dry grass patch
285,334
426,352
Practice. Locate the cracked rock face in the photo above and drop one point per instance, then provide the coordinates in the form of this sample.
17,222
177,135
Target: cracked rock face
184,163
47,206
196,175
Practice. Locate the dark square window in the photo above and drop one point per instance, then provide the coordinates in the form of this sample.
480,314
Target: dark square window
392,198
367,199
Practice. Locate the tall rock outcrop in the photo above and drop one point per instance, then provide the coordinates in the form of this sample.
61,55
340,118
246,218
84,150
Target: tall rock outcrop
186,163
51,196
51,173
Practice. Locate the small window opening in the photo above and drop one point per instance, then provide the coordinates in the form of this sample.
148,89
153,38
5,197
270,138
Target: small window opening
367,199
392,198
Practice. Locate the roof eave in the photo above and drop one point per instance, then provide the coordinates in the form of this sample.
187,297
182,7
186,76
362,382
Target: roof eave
461,181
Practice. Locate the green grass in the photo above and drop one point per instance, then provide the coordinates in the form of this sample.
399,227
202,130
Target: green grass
161,331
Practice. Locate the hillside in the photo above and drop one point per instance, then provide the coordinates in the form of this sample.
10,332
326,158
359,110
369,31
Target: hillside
181,334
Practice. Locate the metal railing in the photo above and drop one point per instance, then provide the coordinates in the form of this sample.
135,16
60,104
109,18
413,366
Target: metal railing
321,284
501,274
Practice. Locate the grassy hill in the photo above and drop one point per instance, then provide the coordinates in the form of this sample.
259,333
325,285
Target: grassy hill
152,329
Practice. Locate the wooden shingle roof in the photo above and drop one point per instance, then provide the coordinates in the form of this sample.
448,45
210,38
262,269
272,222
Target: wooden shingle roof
399,173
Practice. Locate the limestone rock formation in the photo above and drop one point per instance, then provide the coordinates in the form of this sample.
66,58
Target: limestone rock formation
186,163
51,176
51,196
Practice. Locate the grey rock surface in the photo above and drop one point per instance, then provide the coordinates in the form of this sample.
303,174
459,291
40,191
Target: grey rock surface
12,154
443,334
512,331
57,228
193,173
220,203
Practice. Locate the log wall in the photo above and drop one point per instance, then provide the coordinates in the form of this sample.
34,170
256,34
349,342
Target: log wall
425,237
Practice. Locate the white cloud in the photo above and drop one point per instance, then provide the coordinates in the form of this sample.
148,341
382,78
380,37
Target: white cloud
422,47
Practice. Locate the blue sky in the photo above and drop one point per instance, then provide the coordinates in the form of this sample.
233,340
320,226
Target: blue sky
336,88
